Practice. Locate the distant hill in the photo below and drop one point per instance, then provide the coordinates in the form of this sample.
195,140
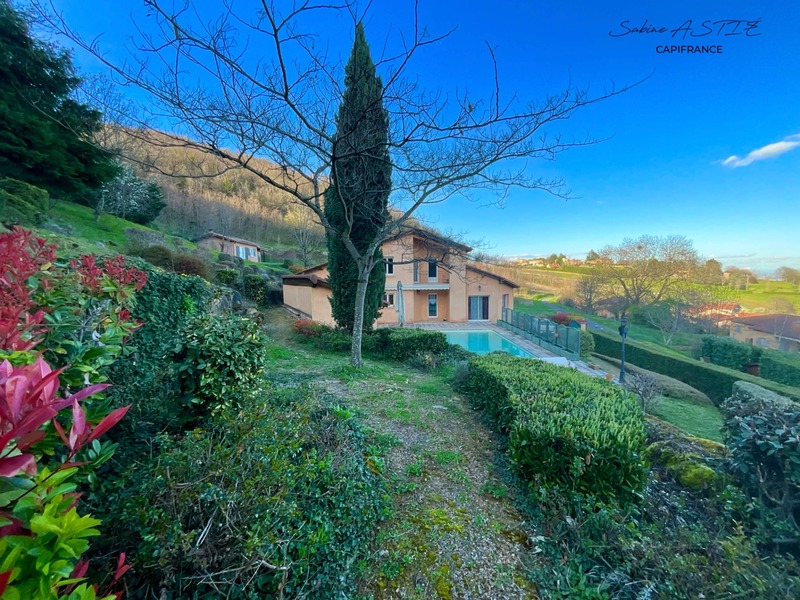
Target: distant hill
202,194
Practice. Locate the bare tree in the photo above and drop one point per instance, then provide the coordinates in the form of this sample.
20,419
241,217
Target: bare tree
202,79
647,269
588,291
308,235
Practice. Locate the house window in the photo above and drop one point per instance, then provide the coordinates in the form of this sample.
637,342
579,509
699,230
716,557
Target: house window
416,272
390,266
433,305
241,252
388,299
432,270
505,300
478,309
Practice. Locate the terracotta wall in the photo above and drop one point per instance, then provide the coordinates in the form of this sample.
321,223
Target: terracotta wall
480,285
227,247
299,297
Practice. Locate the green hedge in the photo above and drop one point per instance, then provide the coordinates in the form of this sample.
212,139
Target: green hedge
289,479
729,353
405,344
781,367
564,428
714,381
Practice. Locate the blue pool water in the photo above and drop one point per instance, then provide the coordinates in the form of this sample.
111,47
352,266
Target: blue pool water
483,342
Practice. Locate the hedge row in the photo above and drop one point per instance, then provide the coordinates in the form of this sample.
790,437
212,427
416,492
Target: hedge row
714,381
778,366
729,353
564,428
781,367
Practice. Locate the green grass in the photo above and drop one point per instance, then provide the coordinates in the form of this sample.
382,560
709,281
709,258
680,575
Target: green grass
107,229
774,296
697,419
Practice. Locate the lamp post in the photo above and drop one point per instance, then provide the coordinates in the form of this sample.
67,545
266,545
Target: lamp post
623,332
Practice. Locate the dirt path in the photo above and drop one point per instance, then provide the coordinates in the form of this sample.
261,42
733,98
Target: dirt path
454,531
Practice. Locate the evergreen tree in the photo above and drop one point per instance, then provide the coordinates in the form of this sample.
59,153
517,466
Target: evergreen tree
357,199
46,135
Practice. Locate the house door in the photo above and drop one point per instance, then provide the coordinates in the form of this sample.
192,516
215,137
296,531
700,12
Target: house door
478,308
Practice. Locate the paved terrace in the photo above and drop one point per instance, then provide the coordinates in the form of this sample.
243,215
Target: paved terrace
520,341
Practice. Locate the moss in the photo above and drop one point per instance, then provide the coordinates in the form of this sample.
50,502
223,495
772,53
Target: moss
696,476
687,468
709,446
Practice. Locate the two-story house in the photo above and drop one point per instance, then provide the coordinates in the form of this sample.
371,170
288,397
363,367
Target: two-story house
436,284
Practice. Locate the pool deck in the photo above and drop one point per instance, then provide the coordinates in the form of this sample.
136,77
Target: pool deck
520,341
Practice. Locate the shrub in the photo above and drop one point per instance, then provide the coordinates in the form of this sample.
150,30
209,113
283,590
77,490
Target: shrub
257,289
227,276
781,367
564,428
762,430
309,328
561,318
335,340
647,388
587,344
219,359
714,381
189,265
22,203
289,490
160,256
43,535
728,353
405,344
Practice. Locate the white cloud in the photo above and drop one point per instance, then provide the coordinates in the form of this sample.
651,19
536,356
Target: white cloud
768,151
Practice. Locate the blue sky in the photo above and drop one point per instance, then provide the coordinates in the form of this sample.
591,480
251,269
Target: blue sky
708,146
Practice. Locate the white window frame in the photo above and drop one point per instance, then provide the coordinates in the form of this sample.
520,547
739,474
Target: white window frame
388,300
435,304
389,265
241,251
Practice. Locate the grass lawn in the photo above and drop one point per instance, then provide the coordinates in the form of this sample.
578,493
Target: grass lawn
773,296
699,420
455,530
106,229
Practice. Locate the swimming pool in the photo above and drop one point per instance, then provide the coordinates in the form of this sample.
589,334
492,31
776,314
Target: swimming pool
484,341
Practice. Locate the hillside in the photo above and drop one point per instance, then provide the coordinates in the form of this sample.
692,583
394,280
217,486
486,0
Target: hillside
204,193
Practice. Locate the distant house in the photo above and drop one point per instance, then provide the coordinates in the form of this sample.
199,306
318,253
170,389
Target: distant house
436,281
779,332
230,245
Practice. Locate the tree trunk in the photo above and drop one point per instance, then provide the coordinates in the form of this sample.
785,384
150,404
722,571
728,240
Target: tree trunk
358,318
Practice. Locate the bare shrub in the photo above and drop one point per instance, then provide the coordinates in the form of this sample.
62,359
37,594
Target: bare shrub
647,388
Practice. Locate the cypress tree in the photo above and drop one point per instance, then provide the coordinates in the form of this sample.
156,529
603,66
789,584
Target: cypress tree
356,201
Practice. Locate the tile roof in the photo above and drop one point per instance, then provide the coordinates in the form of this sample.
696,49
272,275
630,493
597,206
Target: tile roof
780,325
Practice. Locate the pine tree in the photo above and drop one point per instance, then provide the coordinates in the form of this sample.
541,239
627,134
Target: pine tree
356,202
45,137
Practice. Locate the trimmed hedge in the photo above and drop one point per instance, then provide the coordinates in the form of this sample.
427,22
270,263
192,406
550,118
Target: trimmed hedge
726,352
405,344
714,381
564,428
781,367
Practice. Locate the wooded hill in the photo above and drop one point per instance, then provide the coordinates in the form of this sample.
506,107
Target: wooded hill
202,192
